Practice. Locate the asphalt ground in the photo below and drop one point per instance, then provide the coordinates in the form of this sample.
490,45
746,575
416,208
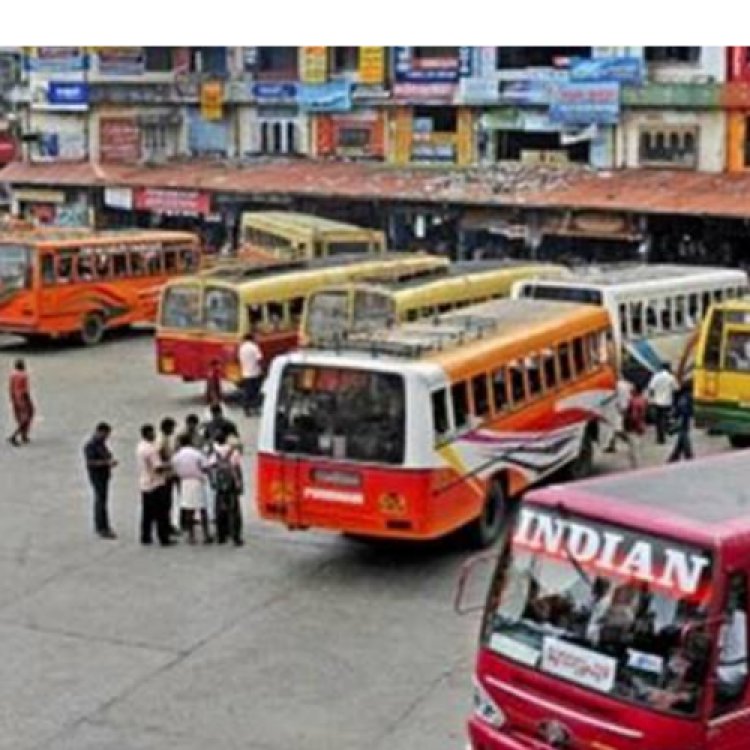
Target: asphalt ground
300,640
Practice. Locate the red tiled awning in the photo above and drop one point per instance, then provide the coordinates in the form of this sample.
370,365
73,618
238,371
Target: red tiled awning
636,191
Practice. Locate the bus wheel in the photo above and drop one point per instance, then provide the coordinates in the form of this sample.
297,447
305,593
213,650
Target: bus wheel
487,528
583,466
92,330
739,441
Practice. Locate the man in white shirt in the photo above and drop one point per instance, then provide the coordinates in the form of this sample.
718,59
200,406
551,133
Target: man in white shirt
250,357
151,481
623,394
661,391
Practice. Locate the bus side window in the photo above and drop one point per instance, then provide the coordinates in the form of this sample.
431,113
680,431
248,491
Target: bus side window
534,375
170,260
296,308
499,389
66,262
517,382
460,397
275,315
550,368
706,301
137,261
579,356
153,257
412,315
666,315
712,353
119,265
563,354
636,318
480,395
693,310
48,270
254,317
86,263
440,424
624,320
732,663
718,295
652,320
679,311
188,259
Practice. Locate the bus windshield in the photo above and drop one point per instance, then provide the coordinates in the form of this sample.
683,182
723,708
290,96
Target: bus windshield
221,310
606,608
581,295
327,314
181,307
15,269
341,413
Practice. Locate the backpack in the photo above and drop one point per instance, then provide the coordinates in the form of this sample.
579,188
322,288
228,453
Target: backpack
225,479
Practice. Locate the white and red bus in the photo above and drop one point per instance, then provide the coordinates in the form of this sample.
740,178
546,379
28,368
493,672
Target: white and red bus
420,429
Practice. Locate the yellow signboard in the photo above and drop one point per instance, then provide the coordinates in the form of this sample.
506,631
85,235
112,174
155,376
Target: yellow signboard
313,67
371,65
212,100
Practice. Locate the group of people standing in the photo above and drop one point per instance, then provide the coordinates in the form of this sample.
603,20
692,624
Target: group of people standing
671,404
198,468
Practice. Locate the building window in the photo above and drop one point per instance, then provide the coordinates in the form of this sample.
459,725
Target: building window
343,59
209,60
508,58
539,148
435,119
672,54
277,62
278,137
159,59
669,147
435,53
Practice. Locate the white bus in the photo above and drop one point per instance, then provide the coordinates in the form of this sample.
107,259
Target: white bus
655,309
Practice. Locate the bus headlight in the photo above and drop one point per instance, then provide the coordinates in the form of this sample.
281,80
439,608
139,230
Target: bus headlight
485,708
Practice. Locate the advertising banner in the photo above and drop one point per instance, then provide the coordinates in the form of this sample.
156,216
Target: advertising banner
432,92
55,59
326,97
313,64
625,70
371,65
118,197
121,61
212,100
119,140
409,69
275,93
586,103
526,92
192,202
68,94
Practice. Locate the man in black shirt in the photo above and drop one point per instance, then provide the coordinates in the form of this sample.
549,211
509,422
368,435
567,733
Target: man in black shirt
219,424
99,465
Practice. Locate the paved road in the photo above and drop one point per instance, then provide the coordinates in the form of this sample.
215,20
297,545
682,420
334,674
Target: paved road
303,641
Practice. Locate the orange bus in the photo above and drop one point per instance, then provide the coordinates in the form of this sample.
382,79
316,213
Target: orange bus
58,283
417,430
204,318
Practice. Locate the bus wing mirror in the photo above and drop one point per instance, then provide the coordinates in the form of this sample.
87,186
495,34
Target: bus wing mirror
467,577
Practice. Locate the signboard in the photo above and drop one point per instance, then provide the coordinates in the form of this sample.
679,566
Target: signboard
55,59
119,140
433,92
121,61
313,64
326,97
586,103
579,665
192,202
477,91
118,197
526,92
212,100
372,65
68,94
615,69
408,68
275,93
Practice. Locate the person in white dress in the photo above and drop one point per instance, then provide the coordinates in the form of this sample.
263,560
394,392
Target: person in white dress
190,466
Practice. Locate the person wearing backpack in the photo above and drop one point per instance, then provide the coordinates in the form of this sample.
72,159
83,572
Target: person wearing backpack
226,474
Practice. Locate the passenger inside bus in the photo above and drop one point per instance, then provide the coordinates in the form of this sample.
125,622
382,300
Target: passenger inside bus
732,668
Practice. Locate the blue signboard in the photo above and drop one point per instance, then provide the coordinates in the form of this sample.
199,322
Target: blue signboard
326,97
614,69
438,70
275,93
585,104
526,92
68,93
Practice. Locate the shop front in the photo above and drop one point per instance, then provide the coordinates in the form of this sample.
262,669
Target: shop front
52,207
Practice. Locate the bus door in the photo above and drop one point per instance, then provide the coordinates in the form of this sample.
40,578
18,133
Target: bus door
729,723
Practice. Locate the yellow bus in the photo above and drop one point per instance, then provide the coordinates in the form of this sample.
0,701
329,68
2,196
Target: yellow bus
297,236
721,379
204,318
333,313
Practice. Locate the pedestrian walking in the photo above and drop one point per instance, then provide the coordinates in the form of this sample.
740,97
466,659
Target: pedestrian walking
19,389
190,465
623,396
151,481
167,447
250,357
214,393
226,478
661,392
683,413
99,465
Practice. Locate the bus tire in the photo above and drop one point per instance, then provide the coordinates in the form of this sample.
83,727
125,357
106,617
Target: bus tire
92,329
486,529
739,441
583,465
